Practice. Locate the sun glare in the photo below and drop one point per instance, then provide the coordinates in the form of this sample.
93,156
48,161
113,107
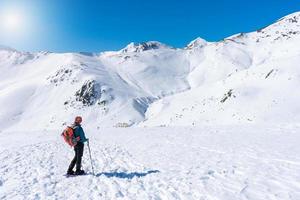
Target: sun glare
16,24
11,22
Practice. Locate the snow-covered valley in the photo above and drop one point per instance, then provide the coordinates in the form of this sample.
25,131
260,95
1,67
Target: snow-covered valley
213,163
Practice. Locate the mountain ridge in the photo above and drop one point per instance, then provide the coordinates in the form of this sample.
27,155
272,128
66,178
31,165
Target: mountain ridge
153,84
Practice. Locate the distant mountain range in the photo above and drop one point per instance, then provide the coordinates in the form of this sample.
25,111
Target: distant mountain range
246,78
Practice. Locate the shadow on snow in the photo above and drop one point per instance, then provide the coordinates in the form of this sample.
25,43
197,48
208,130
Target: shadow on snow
124,175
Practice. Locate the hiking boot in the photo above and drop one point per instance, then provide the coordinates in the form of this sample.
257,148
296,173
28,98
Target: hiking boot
79,172
70,172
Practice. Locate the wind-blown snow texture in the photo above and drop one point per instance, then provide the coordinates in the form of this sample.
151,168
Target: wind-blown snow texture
213,163
236,100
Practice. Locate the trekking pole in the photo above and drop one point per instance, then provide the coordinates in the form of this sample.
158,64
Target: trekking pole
88,143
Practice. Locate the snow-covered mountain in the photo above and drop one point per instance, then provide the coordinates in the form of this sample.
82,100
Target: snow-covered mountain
246,78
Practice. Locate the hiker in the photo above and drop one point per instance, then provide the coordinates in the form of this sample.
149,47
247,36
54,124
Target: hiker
78,148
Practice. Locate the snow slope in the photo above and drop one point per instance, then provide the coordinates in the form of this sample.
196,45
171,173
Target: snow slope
246,78
231,107
112,89
152,84
213,163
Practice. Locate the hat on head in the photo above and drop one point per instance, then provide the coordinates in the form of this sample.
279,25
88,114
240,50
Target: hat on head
78,119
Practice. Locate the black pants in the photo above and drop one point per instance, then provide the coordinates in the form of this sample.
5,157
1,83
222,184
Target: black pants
77,158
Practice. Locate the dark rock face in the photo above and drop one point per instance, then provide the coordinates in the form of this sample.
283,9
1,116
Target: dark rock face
227,96
148,46
67,73
60,76
88,93
294,19
144,46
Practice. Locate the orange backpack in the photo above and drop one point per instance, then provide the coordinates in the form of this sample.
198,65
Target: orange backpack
69,137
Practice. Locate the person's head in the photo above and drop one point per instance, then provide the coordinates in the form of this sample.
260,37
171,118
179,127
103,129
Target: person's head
78,120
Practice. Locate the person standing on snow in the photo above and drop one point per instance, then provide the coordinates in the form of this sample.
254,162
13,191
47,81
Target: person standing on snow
78,148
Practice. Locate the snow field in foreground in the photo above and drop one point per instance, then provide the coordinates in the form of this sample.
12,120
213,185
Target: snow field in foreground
220,163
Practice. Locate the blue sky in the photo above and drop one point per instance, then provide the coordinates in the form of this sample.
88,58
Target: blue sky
94,26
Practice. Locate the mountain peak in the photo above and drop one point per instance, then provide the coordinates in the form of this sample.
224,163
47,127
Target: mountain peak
143,46
197,43
290,22
291,18
6,48
283,29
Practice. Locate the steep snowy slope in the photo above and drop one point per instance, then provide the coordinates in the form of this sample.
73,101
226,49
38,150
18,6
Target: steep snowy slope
112,89
244,78
250,77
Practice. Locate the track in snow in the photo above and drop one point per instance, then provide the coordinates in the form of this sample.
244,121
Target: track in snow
159,163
